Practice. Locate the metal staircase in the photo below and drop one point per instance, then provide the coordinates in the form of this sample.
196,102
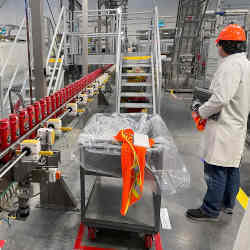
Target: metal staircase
139,89
57,55
136,87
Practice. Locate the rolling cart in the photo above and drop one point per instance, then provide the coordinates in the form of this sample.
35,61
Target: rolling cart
100,158
102,208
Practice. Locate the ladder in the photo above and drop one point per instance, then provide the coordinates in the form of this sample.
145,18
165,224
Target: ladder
137,88
56,56
138,75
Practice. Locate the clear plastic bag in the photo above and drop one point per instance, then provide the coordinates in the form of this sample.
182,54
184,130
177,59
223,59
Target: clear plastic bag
102,152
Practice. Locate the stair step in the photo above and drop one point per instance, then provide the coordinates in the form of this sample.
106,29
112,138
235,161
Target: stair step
136,84
136,105
125,65
136,74
136,58
136,94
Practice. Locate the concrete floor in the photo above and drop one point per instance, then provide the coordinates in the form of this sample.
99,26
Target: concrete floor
57,230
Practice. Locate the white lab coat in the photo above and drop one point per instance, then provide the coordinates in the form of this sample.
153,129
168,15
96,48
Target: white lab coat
224,139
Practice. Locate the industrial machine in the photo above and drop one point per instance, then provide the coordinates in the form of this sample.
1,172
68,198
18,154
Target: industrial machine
26,148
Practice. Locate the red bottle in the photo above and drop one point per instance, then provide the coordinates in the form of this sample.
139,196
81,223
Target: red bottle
62,99
61,96
78,84
53,104
43,105
58,102
38,113
5,139
23,121
67,93
58,99
64,95
49,105
85,83
32,120
14,127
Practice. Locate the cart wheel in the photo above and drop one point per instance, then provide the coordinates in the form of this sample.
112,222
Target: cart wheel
148,241
91,233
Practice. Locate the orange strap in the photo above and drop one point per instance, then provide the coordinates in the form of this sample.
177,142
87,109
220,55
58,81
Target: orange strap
133,164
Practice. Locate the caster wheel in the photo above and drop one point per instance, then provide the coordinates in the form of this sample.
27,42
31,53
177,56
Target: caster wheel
91,233
148,242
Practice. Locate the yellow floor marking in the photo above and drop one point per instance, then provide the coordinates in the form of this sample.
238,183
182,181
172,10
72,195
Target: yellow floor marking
242,199
53,60
136,57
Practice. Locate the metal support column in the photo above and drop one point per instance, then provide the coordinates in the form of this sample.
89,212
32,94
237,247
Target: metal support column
84,28
36,8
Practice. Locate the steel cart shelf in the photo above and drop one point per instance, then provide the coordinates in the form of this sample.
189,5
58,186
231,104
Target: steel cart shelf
102,208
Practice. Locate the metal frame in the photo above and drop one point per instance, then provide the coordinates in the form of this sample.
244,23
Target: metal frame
118,61
158,60
56,78
153,50
113,222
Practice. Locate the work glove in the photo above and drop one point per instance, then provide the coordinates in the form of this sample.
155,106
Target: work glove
195,108
200,123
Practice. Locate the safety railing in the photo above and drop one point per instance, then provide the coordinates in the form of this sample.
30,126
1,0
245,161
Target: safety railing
156,59
55,57
118,60
103,39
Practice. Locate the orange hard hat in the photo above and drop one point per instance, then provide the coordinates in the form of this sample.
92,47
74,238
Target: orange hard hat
232,32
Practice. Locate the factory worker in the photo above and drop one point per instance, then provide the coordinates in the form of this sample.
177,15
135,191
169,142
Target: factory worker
224,139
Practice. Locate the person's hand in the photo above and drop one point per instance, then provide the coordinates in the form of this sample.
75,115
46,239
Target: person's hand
199,122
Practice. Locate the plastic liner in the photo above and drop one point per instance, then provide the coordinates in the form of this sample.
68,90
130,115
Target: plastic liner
102,153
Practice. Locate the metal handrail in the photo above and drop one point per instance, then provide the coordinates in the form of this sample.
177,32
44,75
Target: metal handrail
118,61
153,83
61,20
92,35
56,87
55,35
155,57
158,57
55,64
